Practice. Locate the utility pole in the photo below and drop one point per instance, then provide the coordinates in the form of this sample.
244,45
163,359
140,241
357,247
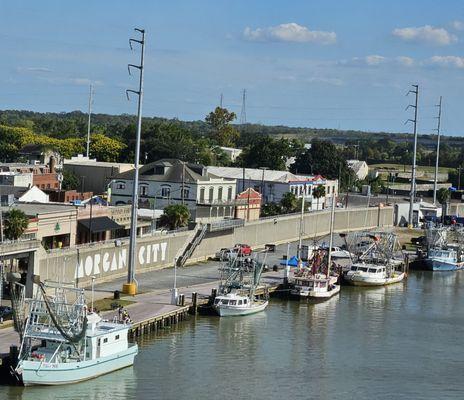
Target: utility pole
262,184
130,287
459,177
415,91
243,112
435,183
183,182
300,238
220,101
88,122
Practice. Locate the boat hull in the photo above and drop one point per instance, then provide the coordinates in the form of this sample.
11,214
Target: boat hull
441,265
227,311
359,280
315,295
33,373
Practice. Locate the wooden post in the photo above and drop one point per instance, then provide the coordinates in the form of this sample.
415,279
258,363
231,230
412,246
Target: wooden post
194,302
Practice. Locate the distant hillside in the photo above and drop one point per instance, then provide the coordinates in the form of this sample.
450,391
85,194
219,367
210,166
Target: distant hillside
74,124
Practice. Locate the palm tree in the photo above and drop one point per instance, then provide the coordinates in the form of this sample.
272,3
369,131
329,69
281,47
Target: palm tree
175,216
318,192
16,222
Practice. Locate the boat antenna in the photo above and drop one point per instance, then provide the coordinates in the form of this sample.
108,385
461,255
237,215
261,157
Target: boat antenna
332,217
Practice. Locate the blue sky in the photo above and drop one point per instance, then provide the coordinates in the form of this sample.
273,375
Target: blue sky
321,63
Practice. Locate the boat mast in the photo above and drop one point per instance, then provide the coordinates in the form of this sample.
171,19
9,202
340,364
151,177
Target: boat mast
300,239
435,183
332,218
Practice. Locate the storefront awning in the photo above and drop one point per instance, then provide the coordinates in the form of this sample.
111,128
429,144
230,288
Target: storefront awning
100,224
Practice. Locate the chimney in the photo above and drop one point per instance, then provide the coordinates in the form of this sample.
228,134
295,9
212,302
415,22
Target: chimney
52,164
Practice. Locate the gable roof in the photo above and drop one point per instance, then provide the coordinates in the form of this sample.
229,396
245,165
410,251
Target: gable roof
174,171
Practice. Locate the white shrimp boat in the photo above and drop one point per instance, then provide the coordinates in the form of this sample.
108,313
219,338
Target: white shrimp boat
234,304
64,343
317,286
368,274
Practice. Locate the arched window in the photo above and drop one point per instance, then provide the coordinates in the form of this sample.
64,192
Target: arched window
211,194
165,192
202,194
229,193
220,193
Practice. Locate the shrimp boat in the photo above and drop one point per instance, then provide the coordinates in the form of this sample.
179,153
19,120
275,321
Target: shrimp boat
316,281
376,265
445,250
239,279
63,342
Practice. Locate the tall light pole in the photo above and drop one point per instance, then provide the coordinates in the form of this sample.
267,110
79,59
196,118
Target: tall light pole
415,91
88,122
435,183
130,287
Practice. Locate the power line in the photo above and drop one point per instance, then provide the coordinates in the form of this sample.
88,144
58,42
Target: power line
435,183
243,112
412,196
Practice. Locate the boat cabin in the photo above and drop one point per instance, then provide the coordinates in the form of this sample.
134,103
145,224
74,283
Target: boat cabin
369,268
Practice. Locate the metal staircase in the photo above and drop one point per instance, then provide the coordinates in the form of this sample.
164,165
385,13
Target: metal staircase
195,239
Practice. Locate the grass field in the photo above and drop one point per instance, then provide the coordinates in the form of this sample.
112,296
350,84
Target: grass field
110,304
406,168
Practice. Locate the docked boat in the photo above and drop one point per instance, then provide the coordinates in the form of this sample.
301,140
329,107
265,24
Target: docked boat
444,259
317,286
376,265
62,342
444,249
318,281
240,277
368,274
234,304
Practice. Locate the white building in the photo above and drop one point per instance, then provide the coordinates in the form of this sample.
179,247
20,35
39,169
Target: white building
273,184
231,152
18,179
360,168
171,181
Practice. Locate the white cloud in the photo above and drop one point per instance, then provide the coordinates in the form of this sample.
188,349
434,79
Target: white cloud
446,61
405,61
376,60
290,32
326,81
425,34
457,25
34,70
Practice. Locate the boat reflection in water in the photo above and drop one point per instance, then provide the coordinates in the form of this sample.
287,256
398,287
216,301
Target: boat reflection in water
120,384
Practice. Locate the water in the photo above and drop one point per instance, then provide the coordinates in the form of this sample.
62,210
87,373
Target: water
399,342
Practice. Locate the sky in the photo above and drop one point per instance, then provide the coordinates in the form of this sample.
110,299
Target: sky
344,64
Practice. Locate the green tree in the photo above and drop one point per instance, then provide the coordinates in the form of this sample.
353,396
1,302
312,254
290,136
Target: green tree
326,159
289,203
219,121
443,195
270,209
267,152
175,216
104,148
16,223
70,180
318,192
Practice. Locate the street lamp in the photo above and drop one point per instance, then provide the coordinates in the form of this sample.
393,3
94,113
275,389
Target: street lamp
93,284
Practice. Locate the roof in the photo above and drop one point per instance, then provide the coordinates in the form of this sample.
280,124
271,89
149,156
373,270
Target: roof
14,190
84,161
100,224
175,170
256,174
36,149
356,165
34,209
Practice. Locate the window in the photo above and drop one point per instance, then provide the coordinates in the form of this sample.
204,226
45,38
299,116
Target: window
240,302
229,193
120,185
328,189
105,340
211,194
186,193
202,194
116,337
220,193
165,192
143,190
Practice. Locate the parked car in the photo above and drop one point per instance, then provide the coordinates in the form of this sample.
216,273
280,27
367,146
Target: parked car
243,249
6,312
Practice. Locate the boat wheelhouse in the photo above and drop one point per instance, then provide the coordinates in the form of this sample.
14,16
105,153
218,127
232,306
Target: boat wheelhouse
370,274
315,286
235,304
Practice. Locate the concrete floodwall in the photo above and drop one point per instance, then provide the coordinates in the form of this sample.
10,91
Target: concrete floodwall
106,261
